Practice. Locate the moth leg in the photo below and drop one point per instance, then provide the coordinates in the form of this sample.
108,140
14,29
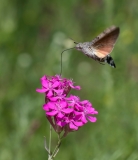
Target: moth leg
102,63
88,56
100,60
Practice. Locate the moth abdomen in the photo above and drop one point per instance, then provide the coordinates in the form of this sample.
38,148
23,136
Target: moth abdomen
110,61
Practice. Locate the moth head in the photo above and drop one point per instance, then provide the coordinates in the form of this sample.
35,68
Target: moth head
79,46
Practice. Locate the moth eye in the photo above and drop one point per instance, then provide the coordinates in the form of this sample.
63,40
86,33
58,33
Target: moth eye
80,47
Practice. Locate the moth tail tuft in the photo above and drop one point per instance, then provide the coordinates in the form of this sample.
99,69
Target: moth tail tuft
110,61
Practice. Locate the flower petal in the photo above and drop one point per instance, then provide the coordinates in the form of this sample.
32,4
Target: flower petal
56,84
91,119
52,113
62,124
72,126
60,115
67,110
45,83
53,99
43,90
50,93
63,104
84,102
43,78
51,105
84,120
78,123
45,107
77,87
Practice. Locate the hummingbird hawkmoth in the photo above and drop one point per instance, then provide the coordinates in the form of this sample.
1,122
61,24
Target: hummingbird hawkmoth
100,47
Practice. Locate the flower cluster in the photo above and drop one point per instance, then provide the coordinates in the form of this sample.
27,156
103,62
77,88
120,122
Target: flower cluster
64,113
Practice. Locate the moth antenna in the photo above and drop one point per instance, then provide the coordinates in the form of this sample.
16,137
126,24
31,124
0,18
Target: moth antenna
61,58
73,40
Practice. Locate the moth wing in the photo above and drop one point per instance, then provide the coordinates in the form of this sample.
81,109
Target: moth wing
104,43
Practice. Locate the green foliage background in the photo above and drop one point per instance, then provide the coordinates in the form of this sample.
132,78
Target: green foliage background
32,35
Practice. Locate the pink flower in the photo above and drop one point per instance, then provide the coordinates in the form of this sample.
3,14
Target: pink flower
65,113
59,95
58,109
48,87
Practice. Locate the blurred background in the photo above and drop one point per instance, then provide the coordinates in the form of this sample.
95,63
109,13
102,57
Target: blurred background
33,33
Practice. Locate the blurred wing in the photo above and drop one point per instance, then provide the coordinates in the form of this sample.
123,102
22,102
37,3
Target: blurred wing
104,43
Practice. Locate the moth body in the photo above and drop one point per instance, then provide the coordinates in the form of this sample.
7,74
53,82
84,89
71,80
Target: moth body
85,48
90,52
100,48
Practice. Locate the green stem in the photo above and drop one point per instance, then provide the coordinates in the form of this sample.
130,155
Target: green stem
50,139
56,149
